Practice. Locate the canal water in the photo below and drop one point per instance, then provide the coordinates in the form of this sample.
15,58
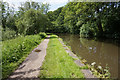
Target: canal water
102,52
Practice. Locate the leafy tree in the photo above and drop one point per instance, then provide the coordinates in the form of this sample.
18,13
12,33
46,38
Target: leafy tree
32,22
4,10
34,5
53,15
103,18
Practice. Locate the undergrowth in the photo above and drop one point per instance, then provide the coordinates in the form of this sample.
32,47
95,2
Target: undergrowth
15,51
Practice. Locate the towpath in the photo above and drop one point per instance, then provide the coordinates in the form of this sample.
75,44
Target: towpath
30,68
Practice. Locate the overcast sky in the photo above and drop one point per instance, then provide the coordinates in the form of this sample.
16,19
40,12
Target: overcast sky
54,4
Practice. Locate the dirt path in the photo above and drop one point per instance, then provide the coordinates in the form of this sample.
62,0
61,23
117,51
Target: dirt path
30,68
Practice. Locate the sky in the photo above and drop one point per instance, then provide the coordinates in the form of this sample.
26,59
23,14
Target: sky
54,4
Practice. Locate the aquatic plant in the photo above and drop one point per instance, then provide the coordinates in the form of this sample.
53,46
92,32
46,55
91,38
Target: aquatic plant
99,71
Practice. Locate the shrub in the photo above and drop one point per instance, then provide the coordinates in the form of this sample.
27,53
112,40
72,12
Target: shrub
88,30
8,34
42,34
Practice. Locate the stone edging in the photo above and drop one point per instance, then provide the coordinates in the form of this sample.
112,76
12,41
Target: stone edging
87,72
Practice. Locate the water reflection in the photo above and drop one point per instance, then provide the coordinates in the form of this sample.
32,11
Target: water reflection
102,53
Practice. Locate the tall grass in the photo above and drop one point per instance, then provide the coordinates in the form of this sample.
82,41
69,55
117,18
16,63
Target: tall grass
14,51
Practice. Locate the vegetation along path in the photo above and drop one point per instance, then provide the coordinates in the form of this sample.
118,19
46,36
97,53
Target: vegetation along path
87,73
64,63
31,66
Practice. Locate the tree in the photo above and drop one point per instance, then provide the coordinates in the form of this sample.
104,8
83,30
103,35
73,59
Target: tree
53,15
4,9
34,5
102,18
32,22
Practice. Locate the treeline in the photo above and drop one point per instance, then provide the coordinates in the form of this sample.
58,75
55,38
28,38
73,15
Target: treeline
30,18
101,19
85,18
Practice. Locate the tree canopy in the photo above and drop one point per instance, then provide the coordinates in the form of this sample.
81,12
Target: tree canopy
90,19
30,18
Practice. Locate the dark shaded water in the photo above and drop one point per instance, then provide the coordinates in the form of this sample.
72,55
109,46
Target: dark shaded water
102,52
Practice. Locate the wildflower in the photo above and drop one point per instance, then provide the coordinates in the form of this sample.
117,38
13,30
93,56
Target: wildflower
90,47
93,63
99,67
18,34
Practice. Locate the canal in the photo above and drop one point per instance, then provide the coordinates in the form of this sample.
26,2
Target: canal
102,52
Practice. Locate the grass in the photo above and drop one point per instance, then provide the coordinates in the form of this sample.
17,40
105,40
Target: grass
15,51
58,63
95,71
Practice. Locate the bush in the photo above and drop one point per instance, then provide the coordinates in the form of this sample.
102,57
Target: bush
14,51
42,34
86,31
8,34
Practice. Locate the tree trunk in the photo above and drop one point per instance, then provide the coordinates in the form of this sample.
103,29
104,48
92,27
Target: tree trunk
3,24
99,24
3,21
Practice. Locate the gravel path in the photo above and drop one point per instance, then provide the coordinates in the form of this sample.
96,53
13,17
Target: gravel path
30,68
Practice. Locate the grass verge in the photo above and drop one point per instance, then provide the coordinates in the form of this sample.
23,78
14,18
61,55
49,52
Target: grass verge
58,63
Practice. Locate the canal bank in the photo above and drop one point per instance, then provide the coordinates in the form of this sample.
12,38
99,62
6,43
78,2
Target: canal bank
61,63
102,53
84,68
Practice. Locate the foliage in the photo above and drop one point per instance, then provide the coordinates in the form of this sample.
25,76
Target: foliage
102,18
4,10
88,30
10,23
7,15
8,34
14,52
85,31
29,19
34,17
43,8
58,64
32,22
42,34
52,15
99,71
